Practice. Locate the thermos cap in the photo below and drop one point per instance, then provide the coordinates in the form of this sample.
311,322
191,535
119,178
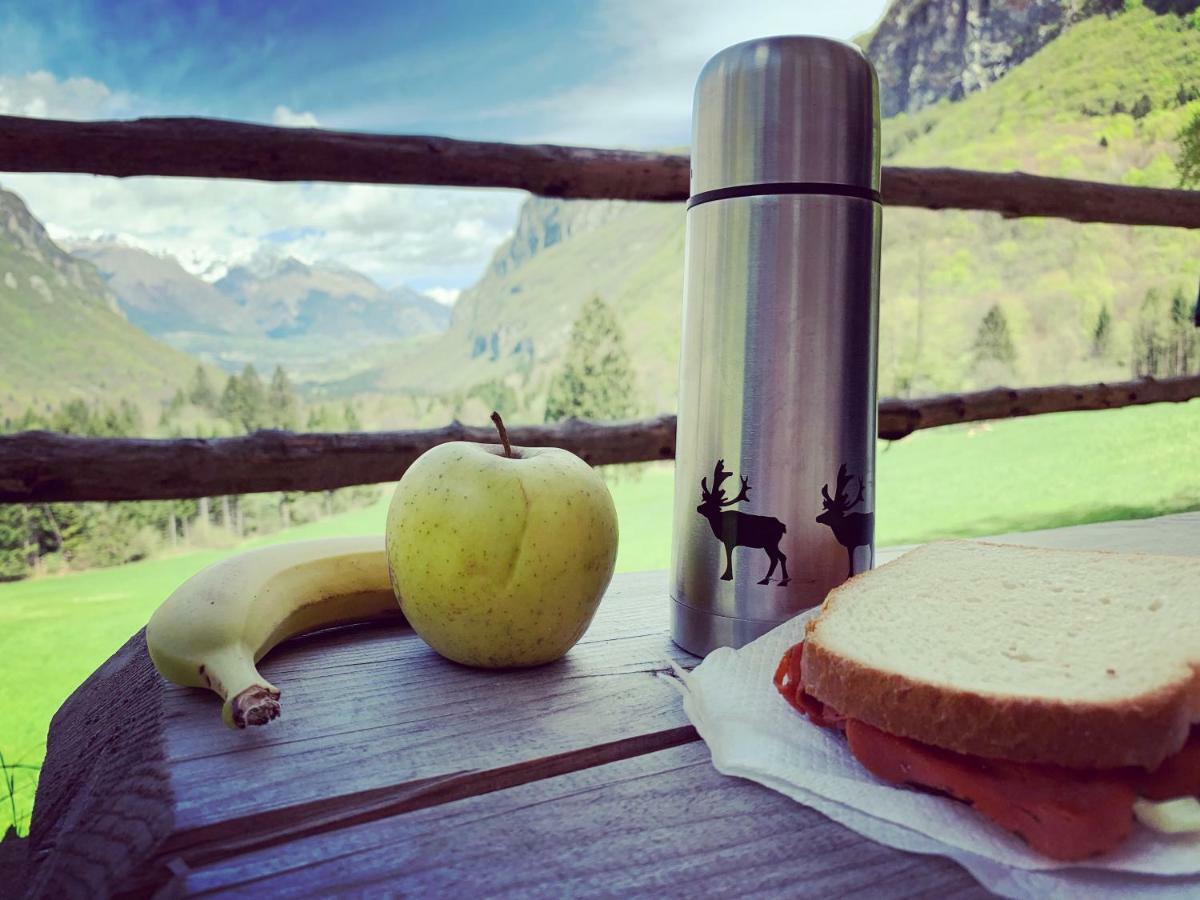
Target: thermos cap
786,110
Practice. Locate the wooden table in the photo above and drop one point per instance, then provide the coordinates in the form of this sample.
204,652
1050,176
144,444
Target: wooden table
394,771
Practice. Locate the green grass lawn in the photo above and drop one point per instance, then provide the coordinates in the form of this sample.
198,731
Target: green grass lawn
1013,475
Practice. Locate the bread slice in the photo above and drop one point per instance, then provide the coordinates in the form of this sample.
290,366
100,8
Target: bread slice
1082,659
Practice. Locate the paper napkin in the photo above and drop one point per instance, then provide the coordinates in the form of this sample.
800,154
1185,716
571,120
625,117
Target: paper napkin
753,733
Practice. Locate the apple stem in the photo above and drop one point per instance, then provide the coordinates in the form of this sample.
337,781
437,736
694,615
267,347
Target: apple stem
499,423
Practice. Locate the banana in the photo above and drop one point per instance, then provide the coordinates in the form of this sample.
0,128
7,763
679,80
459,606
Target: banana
213,629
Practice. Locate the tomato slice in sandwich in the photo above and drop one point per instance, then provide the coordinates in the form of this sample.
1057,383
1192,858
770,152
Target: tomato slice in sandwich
1066,814
1178,776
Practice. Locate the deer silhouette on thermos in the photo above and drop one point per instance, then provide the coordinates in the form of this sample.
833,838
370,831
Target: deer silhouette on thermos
739,529
853,529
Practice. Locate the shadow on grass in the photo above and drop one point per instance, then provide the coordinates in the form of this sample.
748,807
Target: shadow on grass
1059,518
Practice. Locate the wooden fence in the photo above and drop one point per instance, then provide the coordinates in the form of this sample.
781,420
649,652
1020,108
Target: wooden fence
42,467
211,148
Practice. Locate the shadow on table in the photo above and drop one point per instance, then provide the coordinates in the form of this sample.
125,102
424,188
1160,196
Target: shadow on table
13,853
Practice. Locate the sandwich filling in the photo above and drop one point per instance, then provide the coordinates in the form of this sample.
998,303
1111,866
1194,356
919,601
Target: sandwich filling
1066,814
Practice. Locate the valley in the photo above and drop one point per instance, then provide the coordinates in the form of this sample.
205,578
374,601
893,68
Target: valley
1103,97
114,339
1071,109
62,334
314,320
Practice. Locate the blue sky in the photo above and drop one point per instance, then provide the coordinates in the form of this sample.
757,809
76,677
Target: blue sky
604,73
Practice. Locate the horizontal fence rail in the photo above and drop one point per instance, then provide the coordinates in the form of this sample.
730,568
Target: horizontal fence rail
213,148
39,466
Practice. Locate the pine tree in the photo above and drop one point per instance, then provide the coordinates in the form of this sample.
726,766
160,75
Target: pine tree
230,404
1188,164
1151,339
282,406
321,419
353,423
201,392
993,340
596,380
244,401
16,554
107,422
130,417
254,399
1185,339
31,420
1102,332
73,417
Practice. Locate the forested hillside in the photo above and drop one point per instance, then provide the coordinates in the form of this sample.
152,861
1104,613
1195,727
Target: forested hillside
579,311
62,334
47,538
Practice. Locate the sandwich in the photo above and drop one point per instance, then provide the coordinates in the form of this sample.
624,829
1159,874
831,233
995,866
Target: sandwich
1056,692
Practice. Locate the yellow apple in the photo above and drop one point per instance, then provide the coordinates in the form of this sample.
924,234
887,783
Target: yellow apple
500,561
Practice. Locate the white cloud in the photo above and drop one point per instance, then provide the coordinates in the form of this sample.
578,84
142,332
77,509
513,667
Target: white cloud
40,95
292,119
430,238
470,229
646,100
445,296
396,235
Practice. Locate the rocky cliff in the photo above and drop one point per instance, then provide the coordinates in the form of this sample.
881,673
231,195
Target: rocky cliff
23,235
544,222
926,50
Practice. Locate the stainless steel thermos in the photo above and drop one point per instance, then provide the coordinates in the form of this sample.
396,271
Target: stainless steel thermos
775,458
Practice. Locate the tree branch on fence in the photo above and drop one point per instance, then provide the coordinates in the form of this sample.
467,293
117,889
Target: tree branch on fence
1017,195
213,148
900,418
39,466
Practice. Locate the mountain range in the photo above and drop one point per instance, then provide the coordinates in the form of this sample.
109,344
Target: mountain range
1085,88
312,319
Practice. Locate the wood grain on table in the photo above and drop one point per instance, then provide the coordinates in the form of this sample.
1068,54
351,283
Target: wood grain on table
395,770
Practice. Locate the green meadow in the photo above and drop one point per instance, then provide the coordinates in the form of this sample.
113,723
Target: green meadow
1011,475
